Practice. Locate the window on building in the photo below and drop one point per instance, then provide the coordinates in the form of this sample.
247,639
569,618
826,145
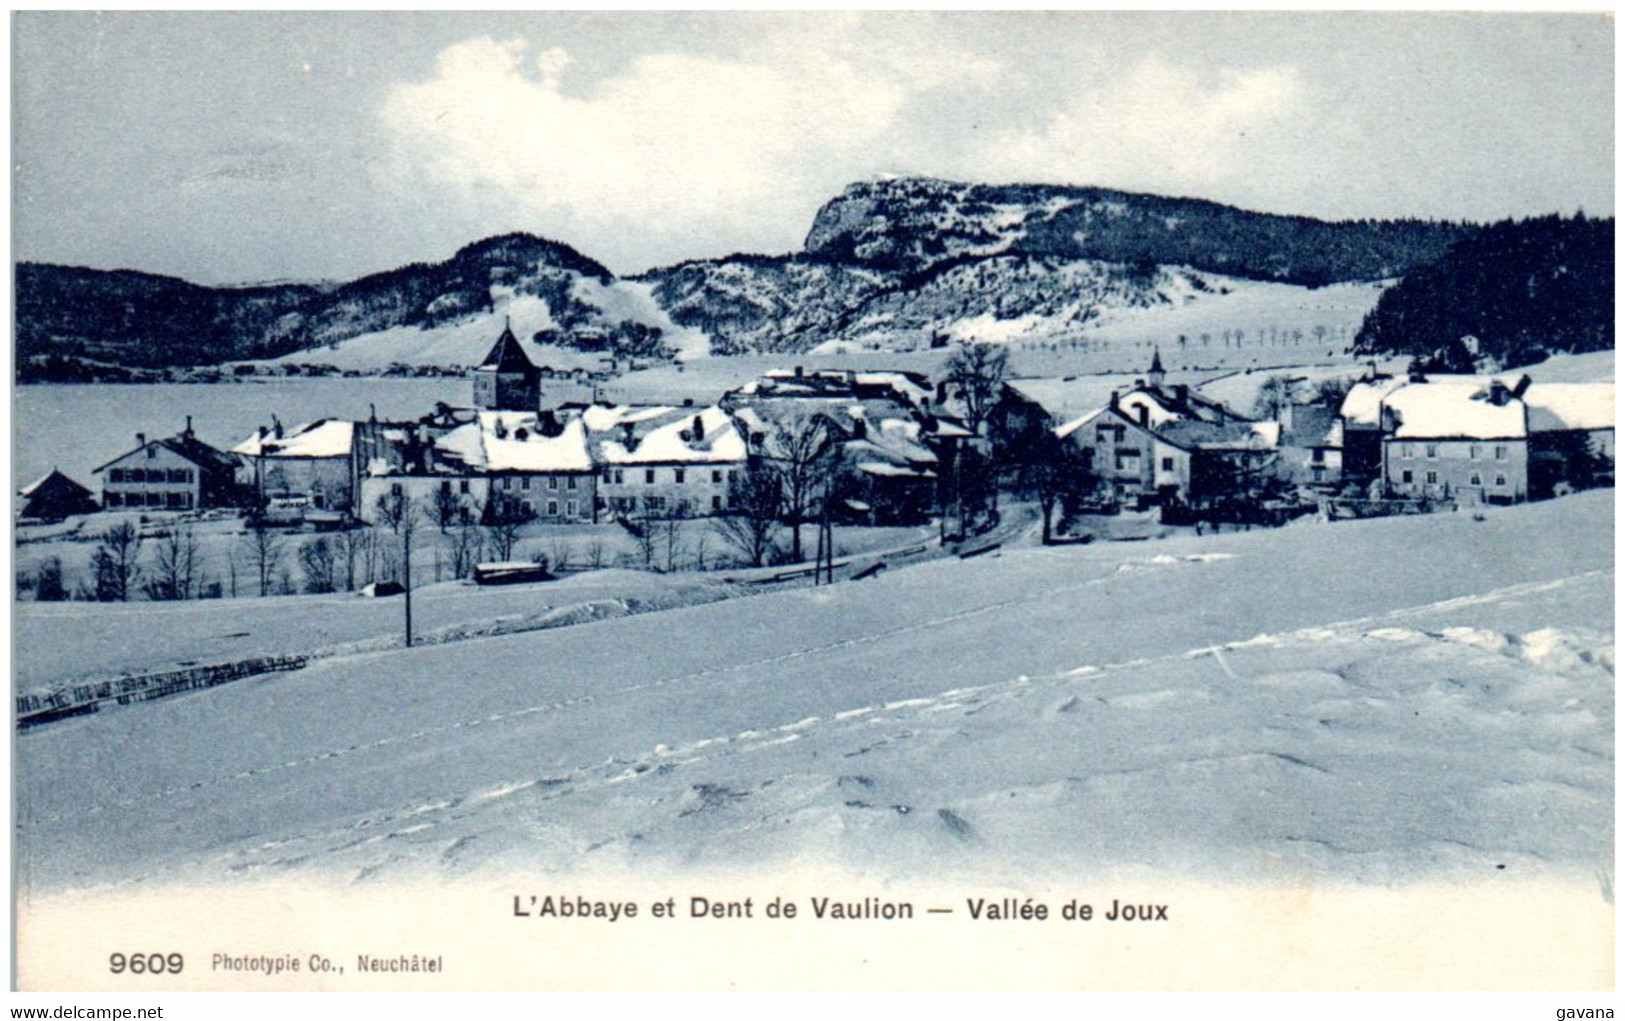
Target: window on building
445,485
1433,478
462,486
553,482
182,475
716,503
524,483
677,475
655,502
1167,464
1319,456
1500,453
552,508
152,450
571,508
1474,479
609,476
1472,452
1433,450
395,488
1405,476
649,477
1500,480
1319,473
570,483
113,499
115,475
620,476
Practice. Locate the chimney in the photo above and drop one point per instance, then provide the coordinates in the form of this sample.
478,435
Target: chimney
699,429
1143,413
860,428
276,426
798,372
1498,393
629,437
1112,403
188,432
1522,387
140,439
262,432
688,402
942,391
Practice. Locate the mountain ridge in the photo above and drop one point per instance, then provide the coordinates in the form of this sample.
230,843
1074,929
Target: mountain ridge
898,263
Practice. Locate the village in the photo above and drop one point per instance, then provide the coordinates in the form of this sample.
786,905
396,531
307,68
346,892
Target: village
768,475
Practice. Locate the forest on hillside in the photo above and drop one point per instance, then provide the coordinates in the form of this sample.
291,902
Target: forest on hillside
1524,289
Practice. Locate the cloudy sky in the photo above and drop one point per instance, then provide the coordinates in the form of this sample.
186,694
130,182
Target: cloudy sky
254,146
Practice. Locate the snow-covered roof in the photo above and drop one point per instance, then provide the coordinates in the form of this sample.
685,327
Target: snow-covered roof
885,470
325,437
665,436
1068,398
1157,414
1363,403
1196,434
513,441
1453,411
1555,407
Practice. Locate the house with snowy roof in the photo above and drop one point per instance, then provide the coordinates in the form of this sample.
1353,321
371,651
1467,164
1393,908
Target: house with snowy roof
1496,439
1155,442
663,460
1462,441
309,468
471,463
178,473
888,446
53,497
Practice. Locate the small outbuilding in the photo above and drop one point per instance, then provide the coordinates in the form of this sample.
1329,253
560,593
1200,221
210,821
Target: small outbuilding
55,497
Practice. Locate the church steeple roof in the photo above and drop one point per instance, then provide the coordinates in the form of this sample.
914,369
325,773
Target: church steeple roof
506,355
1156,361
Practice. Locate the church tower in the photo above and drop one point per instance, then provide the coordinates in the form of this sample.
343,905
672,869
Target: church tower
1156,375
506,380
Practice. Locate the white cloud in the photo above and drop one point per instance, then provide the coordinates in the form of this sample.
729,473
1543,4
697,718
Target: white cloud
1157,125
676,143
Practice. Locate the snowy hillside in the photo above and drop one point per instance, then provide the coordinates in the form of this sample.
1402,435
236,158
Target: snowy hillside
1409,699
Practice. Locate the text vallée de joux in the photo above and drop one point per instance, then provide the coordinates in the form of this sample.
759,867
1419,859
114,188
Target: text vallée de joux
979,909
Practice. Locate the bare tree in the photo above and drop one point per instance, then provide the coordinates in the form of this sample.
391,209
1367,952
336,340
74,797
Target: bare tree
975,373
467,547
754,501
400,513
116,562
318,562
671,536
801,450
175,566
504,519
595,554
644,529
263,548
445,508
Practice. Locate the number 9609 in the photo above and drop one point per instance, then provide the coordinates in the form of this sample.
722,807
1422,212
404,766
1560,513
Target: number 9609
146,964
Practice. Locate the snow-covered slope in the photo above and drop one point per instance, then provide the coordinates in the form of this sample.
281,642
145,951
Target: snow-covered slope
1406,699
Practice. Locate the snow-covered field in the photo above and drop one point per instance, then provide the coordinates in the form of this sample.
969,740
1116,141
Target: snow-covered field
59,642
1403,700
